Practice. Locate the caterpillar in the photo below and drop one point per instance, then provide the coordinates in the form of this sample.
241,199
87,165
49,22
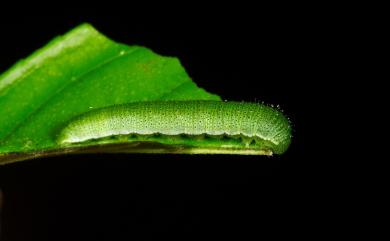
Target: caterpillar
194,126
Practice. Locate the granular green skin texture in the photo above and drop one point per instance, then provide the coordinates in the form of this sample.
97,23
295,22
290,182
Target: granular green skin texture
211,125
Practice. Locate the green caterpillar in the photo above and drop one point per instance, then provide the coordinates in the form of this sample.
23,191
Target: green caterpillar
191,126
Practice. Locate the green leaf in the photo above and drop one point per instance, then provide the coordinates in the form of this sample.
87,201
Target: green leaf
53,103
77,72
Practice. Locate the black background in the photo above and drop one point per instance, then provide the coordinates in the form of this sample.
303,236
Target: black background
275,57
